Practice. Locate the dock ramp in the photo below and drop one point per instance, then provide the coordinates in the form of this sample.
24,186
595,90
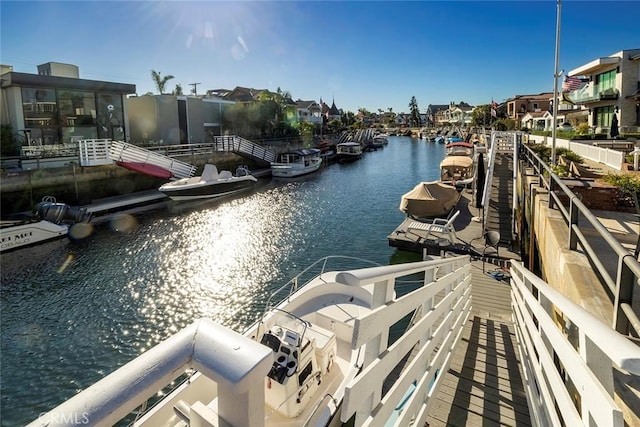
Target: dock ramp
244,147
96,152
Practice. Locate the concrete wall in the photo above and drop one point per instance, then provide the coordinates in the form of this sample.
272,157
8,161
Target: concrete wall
567,271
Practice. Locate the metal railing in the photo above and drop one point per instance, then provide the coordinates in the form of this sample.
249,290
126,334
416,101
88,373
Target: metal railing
568,356
236,144
620,286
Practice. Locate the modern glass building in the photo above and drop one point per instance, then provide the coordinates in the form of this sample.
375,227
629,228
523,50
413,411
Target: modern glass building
56,107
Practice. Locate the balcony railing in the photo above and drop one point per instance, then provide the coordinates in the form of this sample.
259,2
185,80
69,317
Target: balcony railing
592,93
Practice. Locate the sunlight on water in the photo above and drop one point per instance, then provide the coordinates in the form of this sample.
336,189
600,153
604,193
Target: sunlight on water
72,312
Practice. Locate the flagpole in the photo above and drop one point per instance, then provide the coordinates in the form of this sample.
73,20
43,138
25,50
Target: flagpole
556,74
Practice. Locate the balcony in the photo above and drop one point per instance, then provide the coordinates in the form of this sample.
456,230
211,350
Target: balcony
593,93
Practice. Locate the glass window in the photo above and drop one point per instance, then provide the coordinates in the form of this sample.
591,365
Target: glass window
77,108
606,80
604,115
110,116
39,107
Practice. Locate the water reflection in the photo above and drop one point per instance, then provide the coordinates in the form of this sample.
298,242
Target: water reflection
73,311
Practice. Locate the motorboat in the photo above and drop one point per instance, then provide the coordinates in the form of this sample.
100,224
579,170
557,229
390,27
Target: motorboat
439,139
210,184
457,170
452,139
380,140
349,151
314,359
296,163
429,200
49,220
459,149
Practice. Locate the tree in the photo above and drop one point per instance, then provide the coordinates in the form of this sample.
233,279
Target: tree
160,81
481,115
415,112
178,90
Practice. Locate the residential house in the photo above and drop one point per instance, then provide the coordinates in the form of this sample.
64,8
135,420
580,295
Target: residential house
435,114
308,111
537,120
457,114
520,105
171,119
331,113
610,85
57,107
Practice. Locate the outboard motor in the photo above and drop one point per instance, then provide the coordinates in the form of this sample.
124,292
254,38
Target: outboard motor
242,170
57,213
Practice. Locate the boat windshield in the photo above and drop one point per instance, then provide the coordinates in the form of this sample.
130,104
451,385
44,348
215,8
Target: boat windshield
286,326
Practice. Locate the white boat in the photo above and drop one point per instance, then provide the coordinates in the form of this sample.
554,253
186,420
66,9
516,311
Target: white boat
429,200
380,140
51,220
296,163
348,152
318,358
210,184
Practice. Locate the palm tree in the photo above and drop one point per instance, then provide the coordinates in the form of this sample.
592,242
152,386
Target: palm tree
160,81
178,90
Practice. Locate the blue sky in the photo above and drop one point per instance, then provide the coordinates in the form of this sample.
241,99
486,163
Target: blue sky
370,54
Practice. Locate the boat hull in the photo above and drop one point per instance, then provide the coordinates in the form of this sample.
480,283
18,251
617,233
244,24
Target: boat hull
183,190
347,158
27,233
290,171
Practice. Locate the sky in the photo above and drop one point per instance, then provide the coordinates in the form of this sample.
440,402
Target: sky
360,54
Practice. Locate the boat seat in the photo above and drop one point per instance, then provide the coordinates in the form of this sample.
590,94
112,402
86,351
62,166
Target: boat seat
441,226
225,175
210,173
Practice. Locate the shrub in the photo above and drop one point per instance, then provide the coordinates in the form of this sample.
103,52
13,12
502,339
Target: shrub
583,129
569,155
626,182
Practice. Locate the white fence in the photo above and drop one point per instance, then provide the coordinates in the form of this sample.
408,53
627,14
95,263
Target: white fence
607,156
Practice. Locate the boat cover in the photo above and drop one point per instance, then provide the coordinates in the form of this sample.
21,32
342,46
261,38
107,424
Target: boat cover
462,162
429,199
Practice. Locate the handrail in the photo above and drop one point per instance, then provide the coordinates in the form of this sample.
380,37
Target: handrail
293,284
627,275
571,354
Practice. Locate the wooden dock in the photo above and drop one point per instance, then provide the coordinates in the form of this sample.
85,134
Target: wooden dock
483,386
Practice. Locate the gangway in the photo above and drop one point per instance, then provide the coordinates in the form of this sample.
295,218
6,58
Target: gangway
244,147
95,152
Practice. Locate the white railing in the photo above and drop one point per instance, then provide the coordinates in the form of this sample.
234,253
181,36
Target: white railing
569,356
238,144
435,332
441,307
204,346
94,152
607,156
123,152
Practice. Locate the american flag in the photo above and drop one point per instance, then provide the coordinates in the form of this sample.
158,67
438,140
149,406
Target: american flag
494,106
571,83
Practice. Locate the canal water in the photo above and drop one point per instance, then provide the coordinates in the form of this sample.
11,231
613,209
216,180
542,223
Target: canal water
73,311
